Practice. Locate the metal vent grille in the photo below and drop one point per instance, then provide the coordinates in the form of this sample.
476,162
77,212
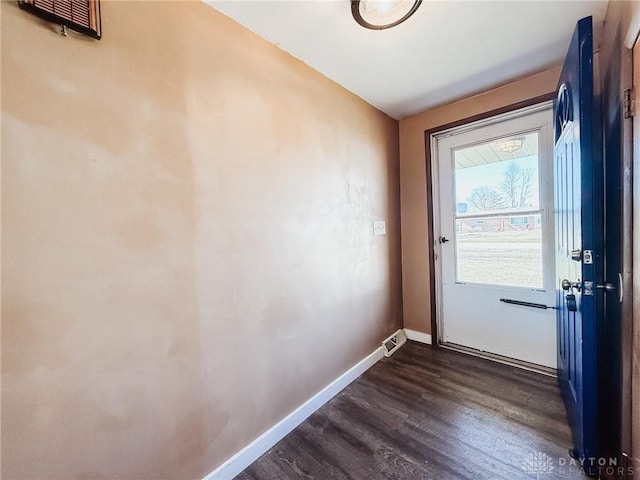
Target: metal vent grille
394,342
80,15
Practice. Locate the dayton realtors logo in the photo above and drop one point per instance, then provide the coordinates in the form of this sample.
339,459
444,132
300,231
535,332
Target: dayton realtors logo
540,464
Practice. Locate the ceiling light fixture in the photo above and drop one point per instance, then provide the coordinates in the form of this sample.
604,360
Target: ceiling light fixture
382,14
510,145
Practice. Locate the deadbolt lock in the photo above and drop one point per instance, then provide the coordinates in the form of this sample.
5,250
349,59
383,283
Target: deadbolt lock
576,255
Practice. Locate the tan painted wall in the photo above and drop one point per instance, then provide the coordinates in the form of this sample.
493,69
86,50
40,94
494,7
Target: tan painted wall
188,250
413,183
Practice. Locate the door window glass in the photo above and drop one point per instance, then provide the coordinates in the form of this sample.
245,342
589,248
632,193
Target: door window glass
498,234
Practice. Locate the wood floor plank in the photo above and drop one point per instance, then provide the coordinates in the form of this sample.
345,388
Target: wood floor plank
430,413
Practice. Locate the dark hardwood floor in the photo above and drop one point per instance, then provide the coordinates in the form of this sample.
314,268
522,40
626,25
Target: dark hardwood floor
429,413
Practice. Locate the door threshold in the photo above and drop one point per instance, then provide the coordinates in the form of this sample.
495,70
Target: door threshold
513,362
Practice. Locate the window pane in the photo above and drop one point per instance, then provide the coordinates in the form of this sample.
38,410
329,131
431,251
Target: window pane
498,220
500,251
488,179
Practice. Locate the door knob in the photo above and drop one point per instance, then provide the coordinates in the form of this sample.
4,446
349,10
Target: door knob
568,285
607,287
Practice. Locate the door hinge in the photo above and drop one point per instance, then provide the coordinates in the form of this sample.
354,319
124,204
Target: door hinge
627,106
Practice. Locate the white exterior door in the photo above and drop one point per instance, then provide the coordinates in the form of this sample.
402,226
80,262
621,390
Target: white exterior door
494,237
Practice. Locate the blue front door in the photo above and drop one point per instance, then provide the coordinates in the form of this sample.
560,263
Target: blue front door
579,253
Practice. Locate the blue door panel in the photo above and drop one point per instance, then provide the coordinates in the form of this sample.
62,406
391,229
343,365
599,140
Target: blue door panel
578,194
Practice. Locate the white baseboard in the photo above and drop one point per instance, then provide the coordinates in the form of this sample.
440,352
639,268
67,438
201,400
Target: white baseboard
418,336
245,457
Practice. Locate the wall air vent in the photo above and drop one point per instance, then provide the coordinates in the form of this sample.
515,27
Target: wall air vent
80,15
394,342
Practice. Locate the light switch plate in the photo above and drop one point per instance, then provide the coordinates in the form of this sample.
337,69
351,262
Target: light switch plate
379,227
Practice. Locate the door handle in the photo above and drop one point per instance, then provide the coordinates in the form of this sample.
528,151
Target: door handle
570,298
568,285
620,289
607,287
443,239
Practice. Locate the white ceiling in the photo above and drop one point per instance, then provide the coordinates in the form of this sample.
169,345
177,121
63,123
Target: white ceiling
446,51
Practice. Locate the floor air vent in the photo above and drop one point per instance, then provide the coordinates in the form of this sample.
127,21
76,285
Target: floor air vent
394,342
